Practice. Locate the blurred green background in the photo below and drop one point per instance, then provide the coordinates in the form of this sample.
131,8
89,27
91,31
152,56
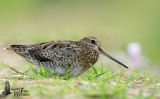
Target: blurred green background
115,23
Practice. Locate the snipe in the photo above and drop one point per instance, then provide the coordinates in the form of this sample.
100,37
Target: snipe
56,55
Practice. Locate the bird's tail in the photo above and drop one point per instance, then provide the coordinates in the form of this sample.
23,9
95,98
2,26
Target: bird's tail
19,49
11,49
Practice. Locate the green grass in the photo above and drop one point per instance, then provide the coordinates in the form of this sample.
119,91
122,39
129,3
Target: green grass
116,24
97,82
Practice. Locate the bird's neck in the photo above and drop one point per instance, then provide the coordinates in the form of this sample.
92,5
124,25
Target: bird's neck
89,53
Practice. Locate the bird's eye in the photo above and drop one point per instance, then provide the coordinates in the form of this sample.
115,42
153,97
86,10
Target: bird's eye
93,41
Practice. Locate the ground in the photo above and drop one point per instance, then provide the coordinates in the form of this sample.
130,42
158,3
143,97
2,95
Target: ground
116,24
100,81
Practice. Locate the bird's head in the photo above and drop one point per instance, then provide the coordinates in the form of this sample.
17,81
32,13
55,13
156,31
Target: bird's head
95,43
92,41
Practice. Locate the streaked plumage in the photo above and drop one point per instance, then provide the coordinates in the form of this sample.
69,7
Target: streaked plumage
56,55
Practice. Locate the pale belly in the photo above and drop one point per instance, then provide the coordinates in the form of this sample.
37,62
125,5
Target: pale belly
75,70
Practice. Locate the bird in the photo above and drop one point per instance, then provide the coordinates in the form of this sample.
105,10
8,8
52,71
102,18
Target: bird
7,89
55,55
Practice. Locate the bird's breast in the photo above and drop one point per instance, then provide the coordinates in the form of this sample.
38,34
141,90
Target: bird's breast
90,56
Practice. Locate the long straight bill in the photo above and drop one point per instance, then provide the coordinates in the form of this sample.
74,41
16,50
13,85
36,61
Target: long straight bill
107,55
